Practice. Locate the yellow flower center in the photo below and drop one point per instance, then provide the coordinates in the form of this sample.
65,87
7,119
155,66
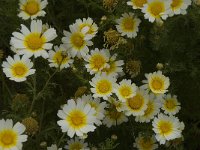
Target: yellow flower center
157,84
125,91
176,4
76,146
170,103
114,114
8,139
165,127
139,3
146,143
59,58
32,7
156,8
104,87
150,108
97,61
77,39
77,119
34,41
19,69
128,24
110,69
136,102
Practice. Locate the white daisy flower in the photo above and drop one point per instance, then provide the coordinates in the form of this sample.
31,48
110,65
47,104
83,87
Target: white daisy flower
76,144
126,89
179,7
156,82
11,136
114,67
153,108
33,42
77,118
77,41
156,10
118,104
137,104
167,128
32,8
103,86
171,105
60,58
128,25
97,60
137,4
98,106
53,147
114,118
89,23
143,142
18,69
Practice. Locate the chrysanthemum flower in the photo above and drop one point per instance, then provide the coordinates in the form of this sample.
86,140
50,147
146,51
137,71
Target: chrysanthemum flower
114,66
77,118
114,118
77,41
98,106
153,108
137,104
11,137
76,144
137,4
156,82
32,8
171,105
143,142
128,25
97,60
103,85
18,69
53,147
125,90
89,23
179,7
156,10
33,42
167,128
60,58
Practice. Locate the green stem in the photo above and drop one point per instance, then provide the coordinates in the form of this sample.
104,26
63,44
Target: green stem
61,139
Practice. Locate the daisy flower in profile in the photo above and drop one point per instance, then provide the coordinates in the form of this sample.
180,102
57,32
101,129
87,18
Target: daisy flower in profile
77,41
60,58
167,128
11,137
137,104
114,118
103,86
179,7
89,23
143,142
125,89
156,10
53,147
98,106
156,82
32,8
18,69
118,104
171,106
76,144
114,66
33,42
128,25
77,118
97,60
153,108
137,4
